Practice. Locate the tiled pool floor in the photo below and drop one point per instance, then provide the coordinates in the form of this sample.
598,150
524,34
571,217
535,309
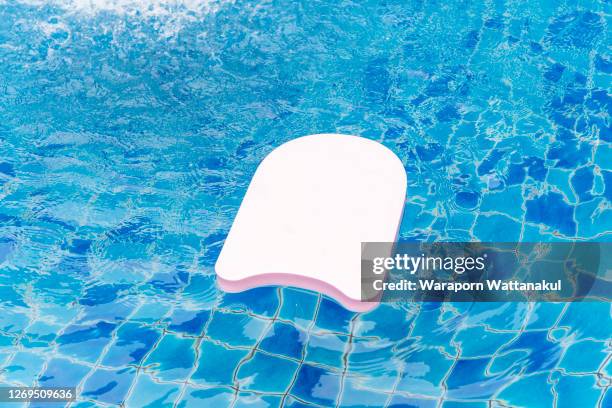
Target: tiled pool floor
273,345
128,135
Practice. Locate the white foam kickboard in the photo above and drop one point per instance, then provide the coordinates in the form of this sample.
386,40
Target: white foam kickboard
310,205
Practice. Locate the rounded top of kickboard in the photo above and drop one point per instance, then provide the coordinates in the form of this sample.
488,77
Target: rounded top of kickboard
310,205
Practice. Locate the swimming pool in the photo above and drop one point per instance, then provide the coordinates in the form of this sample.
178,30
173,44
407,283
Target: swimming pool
129,133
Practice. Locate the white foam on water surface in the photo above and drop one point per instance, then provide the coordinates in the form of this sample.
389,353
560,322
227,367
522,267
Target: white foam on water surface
166,17
134,7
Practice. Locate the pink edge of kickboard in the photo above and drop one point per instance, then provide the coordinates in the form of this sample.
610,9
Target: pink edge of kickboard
303,282
311,204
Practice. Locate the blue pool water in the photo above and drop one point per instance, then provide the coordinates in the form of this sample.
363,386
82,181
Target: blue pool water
130,130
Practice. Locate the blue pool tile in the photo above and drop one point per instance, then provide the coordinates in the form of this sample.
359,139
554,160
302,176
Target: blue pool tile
13,321
582,182
298,306
86,341
468,380
248,400
5,355
489,343
576,28
108,386
429,152
432,333
61,372
326,348
374,359
401,401
377,81
516,174
498,315
606,401
553,211
217,363
150,312
201,291
49,283
385,321
40,334
8,294
212,397
102,294
354,395
467,199
168,282
544,315
575,391
55,405
583,357
213,243
490,161
236,329
284,339
607,177
188,321
7,246
529,391
603,64
554,72
291,402
116,311
173,357
264,373
7,341
24,368
587,328
593,217
316,385
150,394
560,178
7,169
488,226
260,301
465,404
509,363
448,113
548,352
333,317
138,229
132,343
536,168
494,201
423,370
72,266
